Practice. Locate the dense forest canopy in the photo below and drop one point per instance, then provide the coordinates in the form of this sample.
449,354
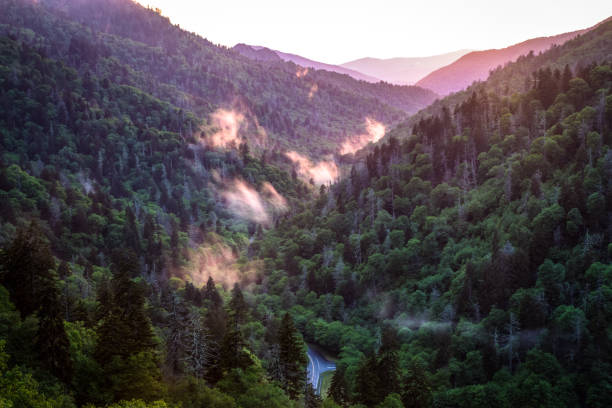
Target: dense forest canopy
136,46
171,236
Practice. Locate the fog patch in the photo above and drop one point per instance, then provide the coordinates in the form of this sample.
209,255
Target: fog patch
217,260
245,202
313,90
302,72
321,173
231,127
227,123
374,132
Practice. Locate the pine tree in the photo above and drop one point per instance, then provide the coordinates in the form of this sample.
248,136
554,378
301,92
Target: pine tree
292,359
26,269
63,270
125,328
566,77
211,294
215,324
130,231
237,307
311,399
368,383
232,353
388,362
27,274
338,390
416,392
125,347
51,340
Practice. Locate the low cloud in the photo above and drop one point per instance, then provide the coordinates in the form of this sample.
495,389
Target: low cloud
214,258
323,172
301,73
227,123
277,201
245,202
374,132
234,126
313,90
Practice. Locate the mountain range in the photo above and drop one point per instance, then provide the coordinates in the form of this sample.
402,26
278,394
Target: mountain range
443,74
403,71
266,54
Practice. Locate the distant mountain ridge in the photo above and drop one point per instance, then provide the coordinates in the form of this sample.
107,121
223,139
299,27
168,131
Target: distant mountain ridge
266,54
403,70
476,65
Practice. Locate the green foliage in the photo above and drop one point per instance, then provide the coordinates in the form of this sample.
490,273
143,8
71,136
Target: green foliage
464,262
498,250
20,389
292,358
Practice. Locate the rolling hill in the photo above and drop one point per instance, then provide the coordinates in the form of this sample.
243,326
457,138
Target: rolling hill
403,71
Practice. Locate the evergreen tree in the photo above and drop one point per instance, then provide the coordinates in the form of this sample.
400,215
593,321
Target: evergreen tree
237,307
27,272
26,269
51,339
416,392
125,327
338,389
368,383
232,352
130,231
211,294
388,362
311,399
63,270
125,346
215,324
292,359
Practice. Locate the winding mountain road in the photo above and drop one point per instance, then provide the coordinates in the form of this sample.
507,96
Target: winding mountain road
317,365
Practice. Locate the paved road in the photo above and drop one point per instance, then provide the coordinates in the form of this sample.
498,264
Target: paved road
317,365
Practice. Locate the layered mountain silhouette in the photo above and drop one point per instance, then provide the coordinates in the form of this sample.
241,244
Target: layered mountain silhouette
403,71
476,65
266,54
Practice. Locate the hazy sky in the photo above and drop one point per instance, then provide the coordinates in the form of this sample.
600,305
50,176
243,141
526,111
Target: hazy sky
337,31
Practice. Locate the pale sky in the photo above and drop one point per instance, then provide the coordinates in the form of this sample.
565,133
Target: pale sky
337,31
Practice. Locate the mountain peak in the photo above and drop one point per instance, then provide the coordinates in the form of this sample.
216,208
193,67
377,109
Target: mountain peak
476,65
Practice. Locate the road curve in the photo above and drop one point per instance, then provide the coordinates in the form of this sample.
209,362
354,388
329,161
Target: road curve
317,365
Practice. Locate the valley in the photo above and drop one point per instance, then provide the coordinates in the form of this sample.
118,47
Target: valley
187,225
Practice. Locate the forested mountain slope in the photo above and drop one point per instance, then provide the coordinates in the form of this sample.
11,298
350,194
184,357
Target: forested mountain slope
519,76
153,256
196,75
125,214
467,260
476,65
